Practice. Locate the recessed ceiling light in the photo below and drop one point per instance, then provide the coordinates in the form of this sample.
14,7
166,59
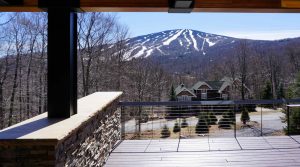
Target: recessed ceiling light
181,6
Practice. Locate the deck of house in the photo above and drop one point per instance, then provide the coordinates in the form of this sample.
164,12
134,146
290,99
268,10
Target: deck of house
242,151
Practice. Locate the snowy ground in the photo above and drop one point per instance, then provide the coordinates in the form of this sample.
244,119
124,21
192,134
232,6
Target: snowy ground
271,122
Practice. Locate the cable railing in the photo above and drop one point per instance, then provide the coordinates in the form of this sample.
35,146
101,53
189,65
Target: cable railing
198,119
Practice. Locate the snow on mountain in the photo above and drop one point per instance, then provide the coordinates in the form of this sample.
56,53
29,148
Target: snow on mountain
176,43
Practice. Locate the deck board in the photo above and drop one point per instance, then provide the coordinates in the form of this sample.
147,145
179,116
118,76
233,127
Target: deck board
240,152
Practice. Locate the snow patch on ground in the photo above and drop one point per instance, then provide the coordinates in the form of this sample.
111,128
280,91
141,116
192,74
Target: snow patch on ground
167,42
210,43
203,43
194,40
145,41
189,42
180,42
158,48
148,52
141,52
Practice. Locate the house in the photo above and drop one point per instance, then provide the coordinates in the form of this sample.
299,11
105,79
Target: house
225,89
184,94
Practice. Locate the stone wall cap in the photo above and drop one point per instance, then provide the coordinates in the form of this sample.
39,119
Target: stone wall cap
40,127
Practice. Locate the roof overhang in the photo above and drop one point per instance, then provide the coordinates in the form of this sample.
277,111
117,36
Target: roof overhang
253,6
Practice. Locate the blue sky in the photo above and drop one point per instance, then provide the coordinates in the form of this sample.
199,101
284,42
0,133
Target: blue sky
241,25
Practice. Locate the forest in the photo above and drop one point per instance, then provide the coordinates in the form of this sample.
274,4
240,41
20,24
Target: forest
103,66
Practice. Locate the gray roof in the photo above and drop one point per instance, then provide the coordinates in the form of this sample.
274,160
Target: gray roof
198,84
182,88
216,85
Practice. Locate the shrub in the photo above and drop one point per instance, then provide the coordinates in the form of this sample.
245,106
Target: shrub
144,117
294,122
184,124
245,116
229,116
205,116
224,123
165,132
201,126
176,127
212,119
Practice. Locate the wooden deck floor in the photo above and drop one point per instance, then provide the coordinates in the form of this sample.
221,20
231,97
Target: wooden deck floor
243,151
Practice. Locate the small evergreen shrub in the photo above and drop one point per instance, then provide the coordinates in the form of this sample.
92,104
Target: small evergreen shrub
165,132
184,124
245,116
224,123
201,126
212,119
229,116
176,127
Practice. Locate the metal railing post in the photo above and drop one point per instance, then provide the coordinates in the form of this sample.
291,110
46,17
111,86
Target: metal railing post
235,108
122,123
152,119
288,120
261,121
140,119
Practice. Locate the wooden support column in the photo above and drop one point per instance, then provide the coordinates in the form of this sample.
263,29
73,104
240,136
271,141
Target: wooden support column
62,58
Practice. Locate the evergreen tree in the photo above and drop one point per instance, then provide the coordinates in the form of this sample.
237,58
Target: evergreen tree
290,92
224,123
212,119
184,124
173,111
297,86
245,116
294,123
172,94
201,126
205,115
176,127
267,95
280,93
267,92
229,116
165,132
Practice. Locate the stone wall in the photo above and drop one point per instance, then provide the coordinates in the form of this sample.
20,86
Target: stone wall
88,143
27,153
91,144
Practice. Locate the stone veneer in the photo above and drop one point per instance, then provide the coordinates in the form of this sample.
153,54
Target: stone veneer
88,143
92,143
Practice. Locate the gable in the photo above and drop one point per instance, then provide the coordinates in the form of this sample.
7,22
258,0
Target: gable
204,87
185,93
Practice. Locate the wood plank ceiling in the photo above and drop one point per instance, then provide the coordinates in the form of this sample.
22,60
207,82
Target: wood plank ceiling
256,6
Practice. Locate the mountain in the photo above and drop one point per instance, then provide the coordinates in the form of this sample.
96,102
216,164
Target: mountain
186,50
176,43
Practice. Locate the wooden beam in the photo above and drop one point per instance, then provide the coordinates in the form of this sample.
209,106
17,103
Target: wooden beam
200,6
28,6
255,6
291,3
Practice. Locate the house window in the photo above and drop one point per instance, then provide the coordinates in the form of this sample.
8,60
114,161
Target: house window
225,96
203,95
203,90
186,98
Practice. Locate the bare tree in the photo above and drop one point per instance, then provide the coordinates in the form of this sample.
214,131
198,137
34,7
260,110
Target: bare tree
159,81
242,60
293,52
274,69
4,68
120,50
18,35
94,35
